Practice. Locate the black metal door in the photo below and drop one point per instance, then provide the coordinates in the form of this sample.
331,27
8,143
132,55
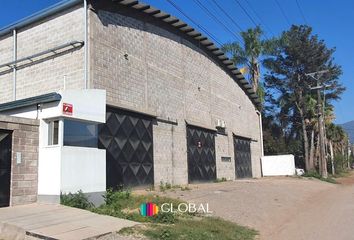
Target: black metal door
201,154
5,167
243,165
128,140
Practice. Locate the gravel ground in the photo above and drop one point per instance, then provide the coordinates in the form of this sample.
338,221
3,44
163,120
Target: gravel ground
116,236
281,208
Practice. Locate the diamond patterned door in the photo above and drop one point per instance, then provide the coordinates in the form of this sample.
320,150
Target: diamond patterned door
5,167
128,140
243,165
201,154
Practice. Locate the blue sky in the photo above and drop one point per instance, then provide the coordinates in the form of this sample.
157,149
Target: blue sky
332,20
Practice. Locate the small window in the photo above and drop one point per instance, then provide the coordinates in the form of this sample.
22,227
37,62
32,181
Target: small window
53,133
80,134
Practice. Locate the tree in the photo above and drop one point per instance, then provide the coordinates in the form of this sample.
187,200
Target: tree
249,54
289,89
337,141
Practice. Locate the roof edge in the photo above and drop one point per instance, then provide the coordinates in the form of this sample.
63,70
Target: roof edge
60,6
204,41
45,98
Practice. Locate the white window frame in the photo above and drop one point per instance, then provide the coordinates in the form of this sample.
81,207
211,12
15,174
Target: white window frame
50,130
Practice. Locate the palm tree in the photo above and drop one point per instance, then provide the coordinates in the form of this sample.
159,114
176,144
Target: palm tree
249,54
337,141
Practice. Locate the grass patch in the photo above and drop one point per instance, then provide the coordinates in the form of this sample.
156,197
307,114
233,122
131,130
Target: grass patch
185,188
341,174
76,200
219,180
164,225
124,204
163,187
314,174
206,228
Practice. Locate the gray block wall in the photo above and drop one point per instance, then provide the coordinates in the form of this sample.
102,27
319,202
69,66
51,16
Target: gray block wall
45,76
24,174
147,68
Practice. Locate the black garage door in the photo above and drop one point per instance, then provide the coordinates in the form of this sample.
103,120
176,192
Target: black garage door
128,140
201,154
5,168
242,148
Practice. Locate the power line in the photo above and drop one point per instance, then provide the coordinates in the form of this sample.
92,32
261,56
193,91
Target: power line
301,12
250,17
283,12
201,27
244,10
231,19
259,17
216,19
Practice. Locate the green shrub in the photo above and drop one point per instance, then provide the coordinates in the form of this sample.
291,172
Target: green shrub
77,200
166,186
165,218
218,180
340,163
112,197
314,174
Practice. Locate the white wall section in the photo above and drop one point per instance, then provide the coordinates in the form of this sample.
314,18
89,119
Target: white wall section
49,170
83,169
280,165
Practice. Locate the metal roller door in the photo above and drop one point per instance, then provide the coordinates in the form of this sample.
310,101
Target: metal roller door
242,149
128,140
5,167
201,154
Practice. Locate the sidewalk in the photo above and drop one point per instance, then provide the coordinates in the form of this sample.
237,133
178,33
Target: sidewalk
56,222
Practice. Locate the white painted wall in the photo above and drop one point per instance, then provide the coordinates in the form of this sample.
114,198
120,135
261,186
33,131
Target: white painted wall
88,104
279,165
63,168
49,170
83,169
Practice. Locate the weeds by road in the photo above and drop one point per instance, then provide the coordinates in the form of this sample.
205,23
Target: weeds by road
164,225
207,228
314,174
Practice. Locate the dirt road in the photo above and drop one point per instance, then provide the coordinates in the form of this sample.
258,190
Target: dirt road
282,208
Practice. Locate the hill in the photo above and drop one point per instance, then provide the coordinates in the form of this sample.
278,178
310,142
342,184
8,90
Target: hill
349,129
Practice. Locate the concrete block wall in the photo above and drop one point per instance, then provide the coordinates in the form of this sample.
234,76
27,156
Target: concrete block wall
147,68
224,148
24,175
48,75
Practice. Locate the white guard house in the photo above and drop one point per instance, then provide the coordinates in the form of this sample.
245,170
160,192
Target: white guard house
69,158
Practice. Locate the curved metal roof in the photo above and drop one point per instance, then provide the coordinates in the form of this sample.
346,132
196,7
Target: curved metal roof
161,16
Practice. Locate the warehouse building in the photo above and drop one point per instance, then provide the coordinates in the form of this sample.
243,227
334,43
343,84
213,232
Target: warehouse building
99,94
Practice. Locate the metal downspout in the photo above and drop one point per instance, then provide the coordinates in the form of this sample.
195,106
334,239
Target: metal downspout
85,46
261,132
261,139
14,66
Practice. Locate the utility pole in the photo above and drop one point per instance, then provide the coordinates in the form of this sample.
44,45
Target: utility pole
349,153
321,131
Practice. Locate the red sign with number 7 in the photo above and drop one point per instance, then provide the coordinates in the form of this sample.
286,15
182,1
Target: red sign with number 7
67,109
